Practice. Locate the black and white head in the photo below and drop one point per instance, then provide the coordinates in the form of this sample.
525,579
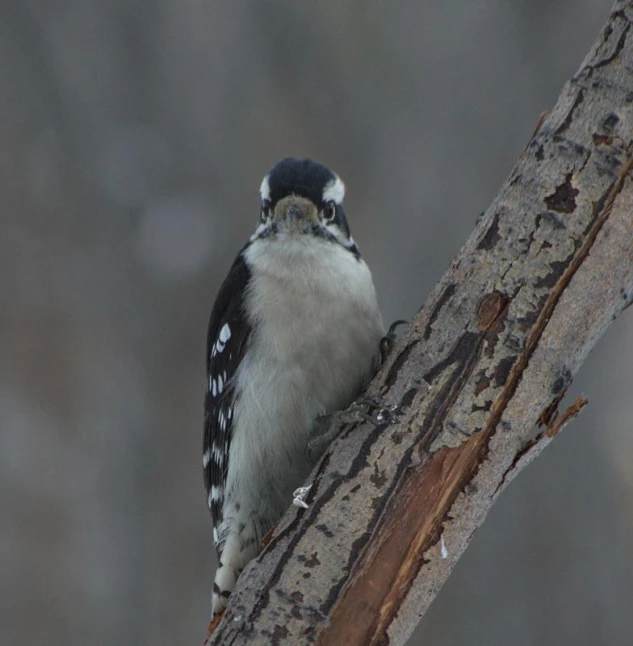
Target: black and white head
302,198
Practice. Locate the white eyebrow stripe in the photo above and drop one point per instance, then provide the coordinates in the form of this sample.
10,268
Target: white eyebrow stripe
264,189
334,190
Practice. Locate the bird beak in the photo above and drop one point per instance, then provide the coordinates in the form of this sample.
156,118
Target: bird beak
295,213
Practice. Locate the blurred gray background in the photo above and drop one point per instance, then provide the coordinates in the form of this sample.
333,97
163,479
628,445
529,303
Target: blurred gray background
133,138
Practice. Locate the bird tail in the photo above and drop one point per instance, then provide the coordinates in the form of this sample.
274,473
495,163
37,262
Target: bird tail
239,548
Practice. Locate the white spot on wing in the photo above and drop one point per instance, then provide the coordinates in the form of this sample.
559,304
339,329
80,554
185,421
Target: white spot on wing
224,336
225,333
264,189
334,190
206,458
216,536
215,493
220,384
214,391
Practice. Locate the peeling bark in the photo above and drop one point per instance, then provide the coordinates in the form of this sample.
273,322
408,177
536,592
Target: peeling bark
547,269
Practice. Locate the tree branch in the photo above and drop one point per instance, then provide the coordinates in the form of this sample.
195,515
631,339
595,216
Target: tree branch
493,351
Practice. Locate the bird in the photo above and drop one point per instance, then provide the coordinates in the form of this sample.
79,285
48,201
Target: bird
294,336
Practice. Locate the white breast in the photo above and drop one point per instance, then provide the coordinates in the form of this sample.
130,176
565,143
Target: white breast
316,332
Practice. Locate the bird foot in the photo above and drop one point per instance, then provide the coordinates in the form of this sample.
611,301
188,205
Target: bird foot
389,340
299,496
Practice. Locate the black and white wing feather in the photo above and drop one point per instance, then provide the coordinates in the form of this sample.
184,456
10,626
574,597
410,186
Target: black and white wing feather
227,339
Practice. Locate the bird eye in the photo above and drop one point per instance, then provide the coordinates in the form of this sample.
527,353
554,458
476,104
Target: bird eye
329,211
265,212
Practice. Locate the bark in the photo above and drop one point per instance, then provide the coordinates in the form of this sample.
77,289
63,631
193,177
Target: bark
487,359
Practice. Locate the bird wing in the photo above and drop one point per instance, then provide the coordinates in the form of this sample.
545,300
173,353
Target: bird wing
227,339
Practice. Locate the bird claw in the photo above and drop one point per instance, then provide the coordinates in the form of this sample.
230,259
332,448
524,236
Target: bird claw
387,415
389,340
299,496
357,411
327,427
369,402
